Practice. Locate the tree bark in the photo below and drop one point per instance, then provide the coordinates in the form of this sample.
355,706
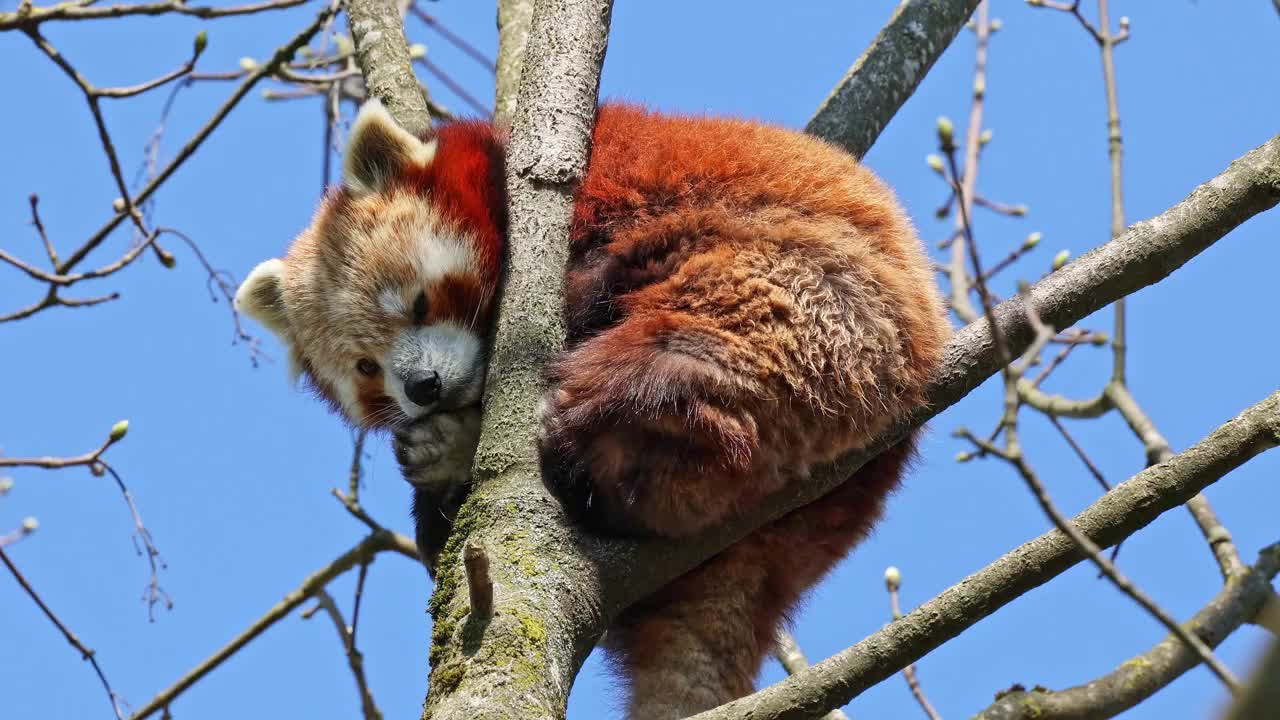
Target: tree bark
880,81
514,19
520,663
377,29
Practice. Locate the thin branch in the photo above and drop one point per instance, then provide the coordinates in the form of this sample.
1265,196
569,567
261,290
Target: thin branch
126,203
1014,456
52,299
39,226
222,284
1140,677
1192,641
1130,506
1072,7
351,499
966,188
454,86
85,652
281,56
29,525
143,542
368,547
28,16
454,39
1158,450
892,582
1080,453
359,595
324,601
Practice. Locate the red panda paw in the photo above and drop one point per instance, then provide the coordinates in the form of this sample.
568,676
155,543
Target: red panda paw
435,454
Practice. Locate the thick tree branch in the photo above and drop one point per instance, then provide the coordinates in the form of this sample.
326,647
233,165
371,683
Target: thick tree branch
521,661
1129,507
1140,677
888,72
514,18
377,29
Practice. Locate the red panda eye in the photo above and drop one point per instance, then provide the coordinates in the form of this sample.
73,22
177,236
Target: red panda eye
367,367
420,309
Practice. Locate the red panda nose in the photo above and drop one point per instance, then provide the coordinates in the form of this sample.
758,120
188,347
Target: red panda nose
423,388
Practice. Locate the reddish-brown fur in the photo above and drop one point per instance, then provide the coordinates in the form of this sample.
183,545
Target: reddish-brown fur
704,253
742,302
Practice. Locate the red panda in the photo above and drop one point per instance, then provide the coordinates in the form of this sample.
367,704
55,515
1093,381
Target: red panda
742,302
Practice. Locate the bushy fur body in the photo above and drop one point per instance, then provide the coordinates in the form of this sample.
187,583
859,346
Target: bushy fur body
742,302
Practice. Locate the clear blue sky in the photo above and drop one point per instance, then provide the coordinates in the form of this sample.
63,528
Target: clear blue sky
231,467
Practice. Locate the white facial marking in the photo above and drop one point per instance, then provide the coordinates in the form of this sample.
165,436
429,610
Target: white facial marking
346,390
392,302
440,256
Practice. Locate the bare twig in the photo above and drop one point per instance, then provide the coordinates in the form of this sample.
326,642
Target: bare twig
1130,506
127,204
454,86
143,542
454,39
324,601
1140,677
281,56
29,525
1013,453
351,499
892,582
85,652
1158,450
222,284
39,226
1080,453
372,544
28,16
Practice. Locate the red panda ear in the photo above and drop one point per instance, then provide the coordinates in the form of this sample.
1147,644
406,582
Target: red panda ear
260,297
379,150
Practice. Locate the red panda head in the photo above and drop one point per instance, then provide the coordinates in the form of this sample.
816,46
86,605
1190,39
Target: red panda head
386,300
